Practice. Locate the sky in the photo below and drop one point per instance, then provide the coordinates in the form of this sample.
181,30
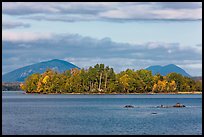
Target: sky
121,35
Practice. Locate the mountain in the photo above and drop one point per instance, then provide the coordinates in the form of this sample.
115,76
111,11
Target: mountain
20,74
164,70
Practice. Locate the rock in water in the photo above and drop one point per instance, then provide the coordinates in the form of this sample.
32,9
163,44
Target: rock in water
128,106
178,105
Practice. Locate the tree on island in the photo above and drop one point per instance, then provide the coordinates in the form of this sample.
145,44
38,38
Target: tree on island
103,79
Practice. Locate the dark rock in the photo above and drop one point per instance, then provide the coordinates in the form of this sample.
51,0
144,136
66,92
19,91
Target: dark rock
178,105
153,113
128,106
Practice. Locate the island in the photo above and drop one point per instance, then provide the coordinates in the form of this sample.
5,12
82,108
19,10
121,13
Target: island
102,79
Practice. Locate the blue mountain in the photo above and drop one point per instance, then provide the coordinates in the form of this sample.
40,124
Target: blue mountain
20,74
164,70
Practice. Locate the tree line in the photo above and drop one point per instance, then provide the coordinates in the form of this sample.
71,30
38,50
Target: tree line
103,79
11,86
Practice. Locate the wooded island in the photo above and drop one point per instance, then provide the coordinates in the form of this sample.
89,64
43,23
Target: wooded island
101,79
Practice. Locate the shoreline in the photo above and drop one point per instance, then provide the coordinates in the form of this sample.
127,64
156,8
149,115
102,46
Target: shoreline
178,93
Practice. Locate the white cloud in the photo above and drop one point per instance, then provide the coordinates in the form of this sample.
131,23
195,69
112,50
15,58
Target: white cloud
24,36
119,64
179,14
87,51
192,65
87,11
193,68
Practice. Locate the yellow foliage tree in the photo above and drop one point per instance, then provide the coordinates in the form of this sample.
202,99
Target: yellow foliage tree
124,80
75,71
39,87
22,86
162,85
155,88
172,86
45,79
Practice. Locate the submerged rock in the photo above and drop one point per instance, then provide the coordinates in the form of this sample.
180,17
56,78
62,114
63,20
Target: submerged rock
128,106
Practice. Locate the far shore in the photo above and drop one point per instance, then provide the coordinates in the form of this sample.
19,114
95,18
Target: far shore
117,93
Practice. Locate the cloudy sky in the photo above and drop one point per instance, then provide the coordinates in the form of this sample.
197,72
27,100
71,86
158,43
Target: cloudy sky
121,35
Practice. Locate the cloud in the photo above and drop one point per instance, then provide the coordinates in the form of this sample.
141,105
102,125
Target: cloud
12,24
87,51
180,5
155,11
24,8
64,18
192,65
105,11
23,36
111,62
198,48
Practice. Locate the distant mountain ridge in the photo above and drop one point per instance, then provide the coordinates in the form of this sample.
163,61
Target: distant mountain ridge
20,74
164,70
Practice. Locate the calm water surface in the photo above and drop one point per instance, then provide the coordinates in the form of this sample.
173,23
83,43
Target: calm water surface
100,114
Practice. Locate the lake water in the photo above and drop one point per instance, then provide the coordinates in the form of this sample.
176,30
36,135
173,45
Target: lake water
100,114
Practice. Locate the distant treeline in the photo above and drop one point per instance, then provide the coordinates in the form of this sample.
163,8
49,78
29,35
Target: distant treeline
11,86
197,78
101,79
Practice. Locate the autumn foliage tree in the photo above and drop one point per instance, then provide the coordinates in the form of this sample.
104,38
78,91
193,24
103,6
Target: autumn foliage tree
103,79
